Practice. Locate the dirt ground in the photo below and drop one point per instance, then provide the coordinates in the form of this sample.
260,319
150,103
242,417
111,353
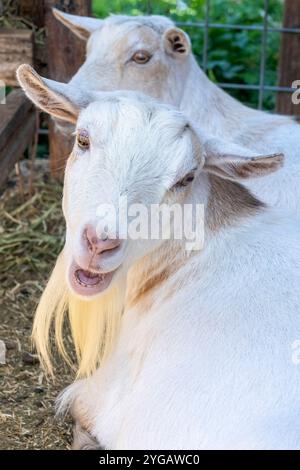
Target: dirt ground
31,235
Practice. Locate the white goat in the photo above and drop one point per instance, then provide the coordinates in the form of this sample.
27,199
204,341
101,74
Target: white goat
198,352
150,55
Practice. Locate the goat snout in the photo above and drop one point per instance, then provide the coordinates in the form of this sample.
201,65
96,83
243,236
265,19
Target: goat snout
96,245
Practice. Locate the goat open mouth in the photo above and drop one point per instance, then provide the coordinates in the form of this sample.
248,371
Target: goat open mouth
87,283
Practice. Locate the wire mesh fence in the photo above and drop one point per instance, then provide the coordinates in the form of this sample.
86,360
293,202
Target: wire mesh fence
265,30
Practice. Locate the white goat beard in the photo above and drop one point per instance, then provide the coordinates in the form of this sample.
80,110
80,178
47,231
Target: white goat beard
94,323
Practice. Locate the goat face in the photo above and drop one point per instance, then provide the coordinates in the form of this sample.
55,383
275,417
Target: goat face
129,150
146,54
127,153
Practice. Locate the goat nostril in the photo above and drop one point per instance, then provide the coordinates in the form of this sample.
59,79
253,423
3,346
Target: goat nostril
94,241
104,237
98,246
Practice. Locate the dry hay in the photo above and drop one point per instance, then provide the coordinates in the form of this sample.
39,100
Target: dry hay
11,17
31,235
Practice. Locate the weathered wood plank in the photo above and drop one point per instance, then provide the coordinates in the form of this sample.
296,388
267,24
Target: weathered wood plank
34,12
16,48
63,63
12,114
17,127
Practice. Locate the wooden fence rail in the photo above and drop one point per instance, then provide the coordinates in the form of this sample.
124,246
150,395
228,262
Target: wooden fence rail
17,128
61,56
17,116
289,69
16,48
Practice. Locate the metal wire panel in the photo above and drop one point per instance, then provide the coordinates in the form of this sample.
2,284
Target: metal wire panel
264,28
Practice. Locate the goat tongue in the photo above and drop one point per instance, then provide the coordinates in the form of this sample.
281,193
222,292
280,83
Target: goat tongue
86,283
87,278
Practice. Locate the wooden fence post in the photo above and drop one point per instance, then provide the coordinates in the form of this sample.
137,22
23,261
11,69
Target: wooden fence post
66,54
289,68
33,10
17,129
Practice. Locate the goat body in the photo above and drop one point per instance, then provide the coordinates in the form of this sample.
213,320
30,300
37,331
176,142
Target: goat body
205,360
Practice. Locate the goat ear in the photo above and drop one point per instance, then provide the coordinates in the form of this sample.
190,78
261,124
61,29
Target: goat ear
177,42
81,26
235,166
52,97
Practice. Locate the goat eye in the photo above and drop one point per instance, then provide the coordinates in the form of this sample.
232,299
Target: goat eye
83,140
141,57
188,179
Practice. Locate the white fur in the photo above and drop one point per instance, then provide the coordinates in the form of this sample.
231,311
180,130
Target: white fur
211,368
209,364
182,83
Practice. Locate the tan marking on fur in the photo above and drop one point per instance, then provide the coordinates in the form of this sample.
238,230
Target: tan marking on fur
78,30
81,415
48,100
82,440
259,166
177,42
149,284
228,202
151,273
136,75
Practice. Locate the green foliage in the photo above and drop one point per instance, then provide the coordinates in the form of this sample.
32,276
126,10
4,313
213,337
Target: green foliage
233,55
